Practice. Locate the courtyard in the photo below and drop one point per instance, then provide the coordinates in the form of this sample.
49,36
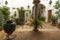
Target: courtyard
48,32
30,20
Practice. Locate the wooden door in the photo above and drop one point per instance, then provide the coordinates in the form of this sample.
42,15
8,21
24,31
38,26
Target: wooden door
49,15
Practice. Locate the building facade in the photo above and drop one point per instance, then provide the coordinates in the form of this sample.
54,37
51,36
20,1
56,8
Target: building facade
45,10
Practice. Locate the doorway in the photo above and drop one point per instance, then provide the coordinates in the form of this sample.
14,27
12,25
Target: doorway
49,15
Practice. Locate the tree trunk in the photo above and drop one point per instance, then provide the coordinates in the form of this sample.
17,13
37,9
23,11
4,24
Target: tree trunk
36,14
36,17
35,28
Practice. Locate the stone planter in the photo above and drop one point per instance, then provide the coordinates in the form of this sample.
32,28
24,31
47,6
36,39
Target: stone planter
9,28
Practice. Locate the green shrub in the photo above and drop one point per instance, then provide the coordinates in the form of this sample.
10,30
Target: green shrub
19,21
41,18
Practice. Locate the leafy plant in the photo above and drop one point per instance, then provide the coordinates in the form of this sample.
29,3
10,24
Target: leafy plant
36,23
5,12
41,18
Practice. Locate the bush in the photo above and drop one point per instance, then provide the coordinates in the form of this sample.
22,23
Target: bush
41,18
19,21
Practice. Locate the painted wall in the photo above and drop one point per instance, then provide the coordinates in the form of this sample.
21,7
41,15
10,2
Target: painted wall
49,7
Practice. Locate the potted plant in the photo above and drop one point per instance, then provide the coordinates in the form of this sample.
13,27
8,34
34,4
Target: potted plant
1,26
36,24
9,28
59,25
54,20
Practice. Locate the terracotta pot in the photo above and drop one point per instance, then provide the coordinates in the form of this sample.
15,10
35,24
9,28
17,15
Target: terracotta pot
59,27
0,29
53,23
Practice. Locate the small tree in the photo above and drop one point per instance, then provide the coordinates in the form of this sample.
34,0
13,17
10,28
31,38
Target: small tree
5,11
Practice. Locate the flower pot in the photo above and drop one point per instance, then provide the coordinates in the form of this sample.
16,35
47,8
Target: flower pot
9,27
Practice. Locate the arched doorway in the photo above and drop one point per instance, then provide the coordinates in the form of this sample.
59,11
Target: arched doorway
49,15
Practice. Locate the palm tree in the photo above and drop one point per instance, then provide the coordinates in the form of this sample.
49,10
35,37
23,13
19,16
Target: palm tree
36,22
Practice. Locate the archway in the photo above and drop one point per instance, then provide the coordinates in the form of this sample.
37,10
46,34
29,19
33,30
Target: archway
41,10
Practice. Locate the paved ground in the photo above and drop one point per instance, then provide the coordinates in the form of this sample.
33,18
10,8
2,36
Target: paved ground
30,35
46,27
25,32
